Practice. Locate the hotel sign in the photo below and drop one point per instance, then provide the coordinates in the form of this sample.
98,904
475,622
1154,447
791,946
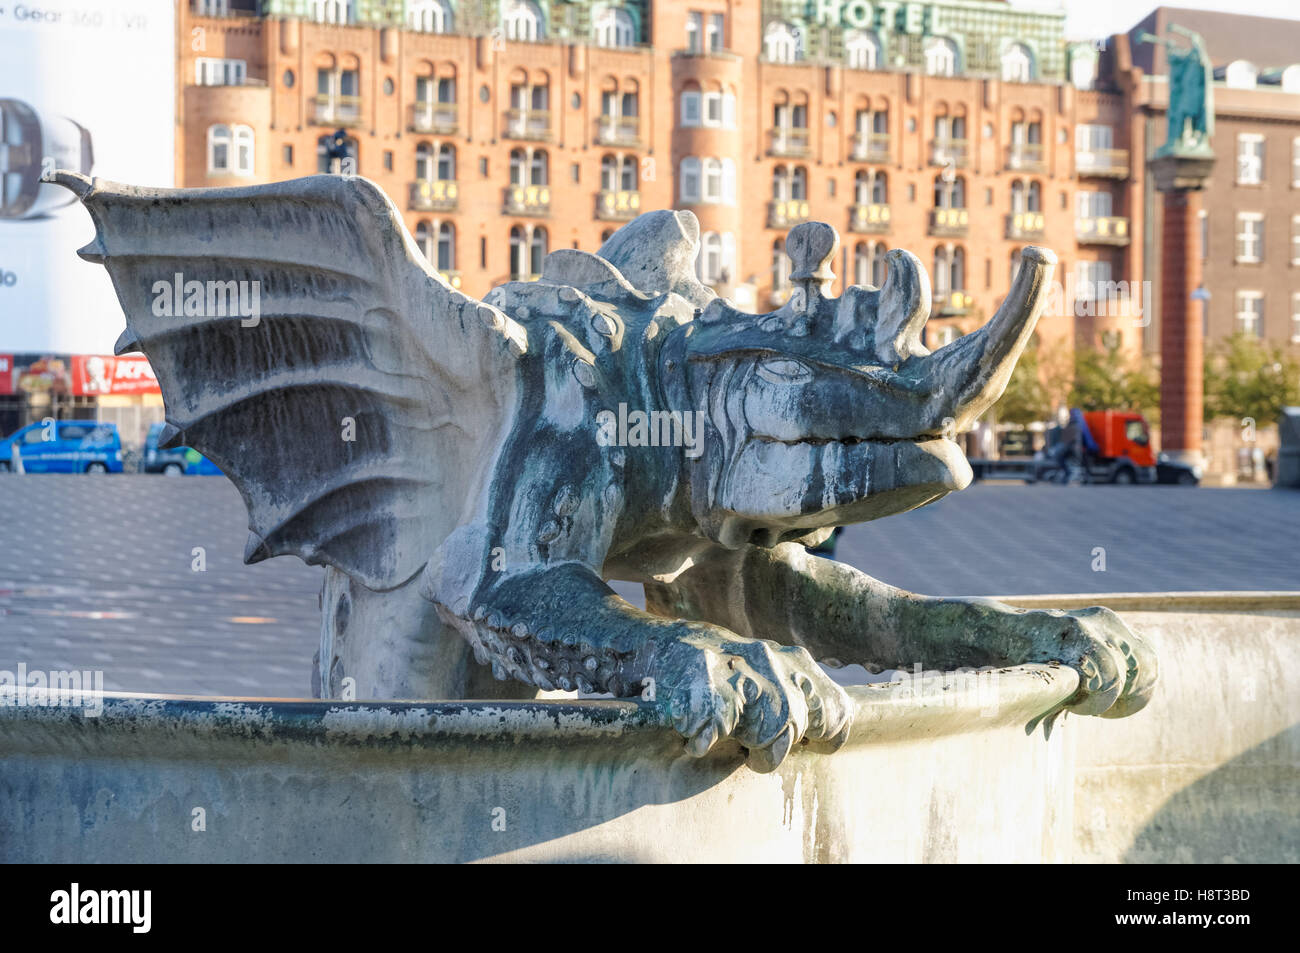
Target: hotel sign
900,16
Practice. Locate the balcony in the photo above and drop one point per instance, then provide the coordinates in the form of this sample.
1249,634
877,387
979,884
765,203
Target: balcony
1102,163
786,213
336,111
950,152
1027,157
437,118
618,131
524,276
528,124
452,278
434,195
951,304
870,219
870,147
1025,225
534,200
787,142
1102,230
617,205
949,222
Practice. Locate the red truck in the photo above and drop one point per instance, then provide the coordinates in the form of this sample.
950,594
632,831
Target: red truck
1122,453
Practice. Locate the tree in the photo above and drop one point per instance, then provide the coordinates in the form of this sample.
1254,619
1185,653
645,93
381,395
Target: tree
1246,377
1106,380
1025,400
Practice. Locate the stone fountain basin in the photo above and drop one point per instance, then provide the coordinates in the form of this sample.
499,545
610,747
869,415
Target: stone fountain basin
936,769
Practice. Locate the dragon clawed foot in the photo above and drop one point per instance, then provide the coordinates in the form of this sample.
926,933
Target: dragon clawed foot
766,696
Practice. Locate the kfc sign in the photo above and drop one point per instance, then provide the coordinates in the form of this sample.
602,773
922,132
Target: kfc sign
93,375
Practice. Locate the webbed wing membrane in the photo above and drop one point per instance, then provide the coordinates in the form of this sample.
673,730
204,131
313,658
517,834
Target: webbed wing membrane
357,409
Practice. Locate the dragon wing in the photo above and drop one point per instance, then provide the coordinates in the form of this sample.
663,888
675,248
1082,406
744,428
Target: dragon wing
357,399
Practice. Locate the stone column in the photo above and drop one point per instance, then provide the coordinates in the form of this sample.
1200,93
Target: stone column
1181,179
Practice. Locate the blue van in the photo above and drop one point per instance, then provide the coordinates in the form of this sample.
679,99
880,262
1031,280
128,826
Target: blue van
178,461
64,446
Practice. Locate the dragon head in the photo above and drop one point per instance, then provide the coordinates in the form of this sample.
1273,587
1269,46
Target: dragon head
830,410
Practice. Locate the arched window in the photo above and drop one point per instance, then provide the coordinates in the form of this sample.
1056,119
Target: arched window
949,271
879,264
628,183
880,188
518,167
219,143
708,264
780,269
537,248
861,264
1035,197
799,183
608,173
949,194
713,180
518,252
1241,74
1017,64
1017,197
690,179
446,162
539,170
780,184
1083,67
940,56
446,247
424,238
424,162
613,26
429,16
782,43
862,49
522,20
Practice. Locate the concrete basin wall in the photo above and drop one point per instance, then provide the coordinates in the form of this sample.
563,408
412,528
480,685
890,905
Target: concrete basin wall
936,770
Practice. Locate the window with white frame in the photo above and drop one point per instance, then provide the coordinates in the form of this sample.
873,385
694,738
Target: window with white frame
689,186
695,32
230,150
1083,68
1250,158
1291,79
713,33
940,56
712,191
1089,278
1241,74
429,16
862,49
783,43
333,11
1089,204
212,8
1017,64
949,270
1250,313
715,262
1295,318
613,26
522,20
692,106
209,71
1250,237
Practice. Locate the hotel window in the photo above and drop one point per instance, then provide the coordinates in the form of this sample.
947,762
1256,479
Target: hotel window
690,180
1094,204
215,72
429,16
613,26
950,194
333,11
618,173
695,32
1250,313
782,43
1017,64
940,56
230,150
714,263
1026,197
212,8
869,265
522,20
1295,318
713,33
528,246
529,167
1250,158
788,184
437,161
870,188
1250,237
1090,278
862,49
949,271
781,266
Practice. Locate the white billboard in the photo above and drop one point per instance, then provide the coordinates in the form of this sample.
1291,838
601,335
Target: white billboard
86,85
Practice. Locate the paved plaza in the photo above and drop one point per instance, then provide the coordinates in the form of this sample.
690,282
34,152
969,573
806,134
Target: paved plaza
102,573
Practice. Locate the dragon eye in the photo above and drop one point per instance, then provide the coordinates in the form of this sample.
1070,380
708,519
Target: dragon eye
784,371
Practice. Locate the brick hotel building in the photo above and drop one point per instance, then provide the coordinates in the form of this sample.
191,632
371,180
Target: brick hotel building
957,129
